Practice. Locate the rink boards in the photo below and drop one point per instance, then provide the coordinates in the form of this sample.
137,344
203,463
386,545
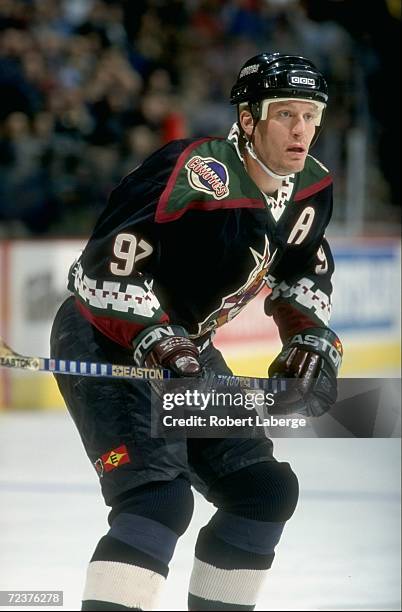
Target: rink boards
366,307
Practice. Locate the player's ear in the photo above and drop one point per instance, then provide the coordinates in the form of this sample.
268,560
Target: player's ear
246,122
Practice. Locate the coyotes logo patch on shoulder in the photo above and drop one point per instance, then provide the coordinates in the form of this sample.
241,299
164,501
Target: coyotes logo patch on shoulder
208,175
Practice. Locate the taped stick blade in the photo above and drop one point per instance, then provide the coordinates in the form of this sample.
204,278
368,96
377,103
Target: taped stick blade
11,359
5,349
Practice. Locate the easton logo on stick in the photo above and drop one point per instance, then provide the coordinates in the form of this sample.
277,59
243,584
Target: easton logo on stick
134,372
24,363
208,175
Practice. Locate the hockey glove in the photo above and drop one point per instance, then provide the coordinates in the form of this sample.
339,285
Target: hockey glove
167,346
313,357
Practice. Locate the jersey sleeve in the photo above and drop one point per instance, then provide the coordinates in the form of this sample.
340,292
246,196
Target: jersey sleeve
306,302
301,286
113,279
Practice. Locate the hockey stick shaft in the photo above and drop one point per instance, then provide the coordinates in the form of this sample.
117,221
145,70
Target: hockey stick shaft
11,359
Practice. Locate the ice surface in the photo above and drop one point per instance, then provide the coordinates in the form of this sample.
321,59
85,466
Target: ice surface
340,551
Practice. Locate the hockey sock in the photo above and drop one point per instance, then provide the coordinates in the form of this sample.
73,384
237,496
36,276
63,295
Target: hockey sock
232,557
236,548
130,563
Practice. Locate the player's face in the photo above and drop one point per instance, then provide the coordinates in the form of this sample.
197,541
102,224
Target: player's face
283,139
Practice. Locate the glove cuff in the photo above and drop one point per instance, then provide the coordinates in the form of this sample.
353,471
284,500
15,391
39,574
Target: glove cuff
144,342
320,340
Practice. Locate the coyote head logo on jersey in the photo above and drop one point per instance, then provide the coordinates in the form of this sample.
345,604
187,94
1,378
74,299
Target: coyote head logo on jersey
232,304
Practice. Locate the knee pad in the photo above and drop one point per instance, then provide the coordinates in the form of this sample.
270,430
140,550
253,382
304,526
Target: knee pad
265,491
170,503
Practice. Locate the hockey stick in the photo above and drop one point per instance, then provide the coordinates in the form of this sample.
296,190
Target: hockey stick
11,359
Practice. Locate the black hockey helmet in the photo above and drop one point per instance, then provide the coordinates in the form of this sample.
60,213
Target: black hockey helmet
273,76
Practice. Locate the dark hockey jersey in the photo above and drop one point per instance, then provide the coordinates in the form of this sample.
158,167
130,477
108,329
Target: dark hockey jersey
188,238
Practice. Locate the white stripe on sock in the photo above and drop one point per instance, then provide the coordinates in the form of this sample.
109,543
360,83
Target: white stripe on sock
236,586
121,583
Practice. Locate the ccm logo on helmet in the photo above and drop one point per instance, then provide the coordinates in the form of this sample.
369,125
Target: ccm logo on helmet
295,80
321,344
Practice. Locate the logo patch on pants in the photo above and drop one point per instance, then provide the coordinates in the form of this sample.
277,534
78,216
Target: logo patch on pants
115,458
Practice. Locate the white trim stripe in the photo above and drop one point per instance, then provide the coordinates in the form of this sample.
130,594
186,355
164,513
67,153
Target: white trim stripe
134,299
303,293
120,583
236,586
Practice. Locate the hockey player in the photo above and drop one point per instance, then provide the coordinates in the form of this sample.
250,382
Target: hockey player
185,242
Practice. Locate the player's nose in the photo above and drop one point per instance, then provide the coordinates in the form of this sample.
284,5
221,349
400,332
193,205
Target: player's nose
298,125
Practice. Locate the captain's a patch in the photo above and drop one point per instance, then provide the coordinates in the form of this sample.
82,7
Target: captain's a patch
208,175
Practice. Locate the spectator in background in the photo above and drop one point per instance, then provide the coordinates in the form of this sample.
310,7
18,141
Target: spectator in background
116,77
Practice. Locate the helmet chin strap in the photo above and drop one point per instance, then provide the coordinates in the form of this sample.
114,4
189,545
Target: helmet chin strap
271,173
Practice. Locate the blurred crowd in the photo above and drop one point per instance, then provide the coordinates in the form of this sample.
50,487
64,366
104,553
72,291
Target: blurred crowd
89,88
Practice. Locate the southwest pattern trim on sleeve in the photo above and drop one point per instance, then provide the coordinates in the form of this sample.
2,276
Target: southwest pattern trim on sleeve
302,293
126,300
